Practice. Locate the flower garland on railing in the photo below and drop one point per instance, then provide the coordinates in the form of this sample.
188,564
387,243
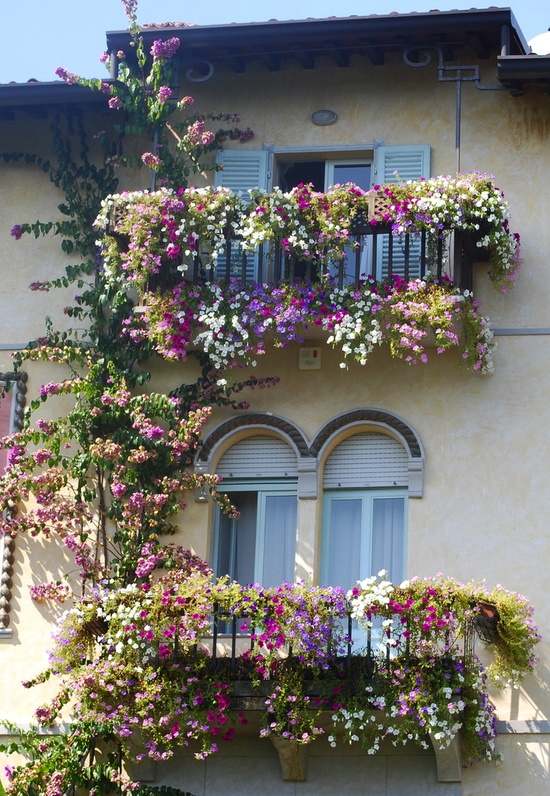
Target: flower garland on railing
235,325
144,233
135,661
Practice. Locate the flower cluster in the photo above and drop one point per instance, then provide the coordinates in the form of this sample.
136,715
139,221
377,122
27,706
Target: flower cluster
164,233
136,659
314,226
50,592
235,325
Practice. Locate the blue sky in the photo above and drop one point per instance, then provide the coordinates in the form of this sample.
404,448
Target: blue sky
39,35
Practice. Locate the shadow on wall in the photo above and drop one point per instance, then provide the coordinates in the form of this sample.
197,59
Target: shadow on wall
47,561
251,768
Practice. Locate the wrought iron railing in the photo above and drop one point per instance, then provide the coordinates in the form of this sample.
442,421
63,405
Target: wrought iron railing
374,253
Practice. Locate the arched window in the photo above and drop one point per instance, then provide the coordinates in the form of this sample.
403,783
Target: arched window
260,476
365,503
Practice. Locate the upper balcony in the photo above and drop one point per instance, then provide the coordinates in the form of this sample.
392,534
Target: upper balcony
395,262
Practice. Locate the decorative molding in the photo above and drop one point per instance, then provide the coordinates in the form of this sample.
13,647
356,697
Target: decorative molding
19,380
391,424
254,420
377,416
526,727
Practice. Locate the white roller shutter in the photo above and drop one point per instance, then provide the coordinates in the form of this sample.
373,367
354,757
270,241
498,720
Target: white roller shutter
367,460
399,164
259,457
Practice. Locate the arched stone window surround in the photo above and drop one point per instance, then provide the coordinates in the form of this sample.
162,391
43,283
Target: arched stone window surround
232,431
349,423
311,457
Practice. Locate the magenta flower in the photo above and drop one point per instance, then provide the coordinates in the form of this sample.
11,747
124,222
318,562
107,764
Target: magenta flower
68,77
165,49
115,103
150,160
164,94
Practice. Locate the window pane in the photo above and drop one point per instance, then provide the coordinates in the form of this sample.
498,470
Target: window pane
279,539
388,536
358,173
237,539
342,544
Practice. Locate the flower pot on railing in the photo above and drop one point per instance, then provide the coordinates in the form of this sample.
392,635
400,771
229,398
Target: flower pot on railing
486,622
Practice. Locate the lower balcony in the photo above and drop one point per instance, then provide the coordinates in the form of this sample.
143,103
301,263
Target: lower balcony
184,661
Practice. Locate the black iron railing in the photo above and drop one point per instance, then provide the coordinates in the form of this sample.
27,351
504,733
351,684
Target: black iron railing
374,253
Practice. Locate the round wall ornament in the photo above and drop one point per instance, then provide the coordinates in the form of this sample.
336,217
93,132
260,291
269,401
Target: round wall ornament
324,117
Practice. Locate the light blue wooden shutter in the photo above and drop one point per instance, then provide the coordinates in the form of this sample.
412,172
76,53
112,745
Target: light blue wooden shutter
242,169
399,164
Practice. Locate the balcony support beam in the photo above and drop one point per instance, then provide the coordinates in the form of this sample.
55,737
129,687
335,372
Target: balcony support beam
448,761
292,759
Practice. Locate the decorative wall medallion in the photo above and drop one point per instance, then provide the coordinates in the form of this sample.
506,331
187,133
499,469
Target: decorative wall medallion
324,117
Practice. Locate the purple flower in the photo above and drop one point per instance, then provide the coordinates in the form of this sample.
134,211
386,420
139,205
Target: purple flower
65,75
16,231
164,94
115,103
165,49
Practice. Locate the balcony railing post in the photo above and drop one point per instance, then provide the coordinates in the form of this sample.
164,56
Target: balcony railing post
228,251
260,274
439,256
233,641
390,255
407,256
423,254
358,252
374,264
215,632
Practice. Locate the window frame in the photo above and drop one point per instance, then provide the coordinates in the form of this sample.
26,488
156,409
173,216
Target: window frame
330,164
263,488
367,496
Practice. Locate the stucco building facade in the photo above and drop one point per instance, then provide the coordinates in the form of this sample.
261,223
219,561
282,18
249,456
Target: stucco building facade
471,453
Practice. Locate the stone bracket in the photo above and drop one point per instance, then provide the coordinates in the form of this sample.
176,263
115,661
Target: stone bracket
448,761
292,759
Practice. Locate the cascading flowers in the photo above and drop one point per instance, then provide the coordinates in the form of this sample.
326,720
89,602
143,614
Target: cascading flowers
235,325
307,224
135,660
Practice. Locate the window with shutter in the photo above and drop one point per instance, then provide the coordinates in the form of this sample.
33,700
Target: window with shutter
241,170
364,519
259,546
399,164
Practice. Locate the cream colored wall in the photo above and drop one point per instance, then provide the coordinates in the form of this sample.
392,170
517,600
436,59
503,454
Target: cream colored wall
486,504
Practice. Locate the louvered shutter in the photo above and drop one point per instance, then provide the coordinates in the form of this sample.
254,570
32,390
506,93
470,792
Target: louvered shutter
367,460
399,164
259,457
242,169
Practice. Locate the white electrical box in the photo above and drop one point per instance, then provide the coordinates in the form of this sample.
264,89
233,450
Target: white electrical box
309,359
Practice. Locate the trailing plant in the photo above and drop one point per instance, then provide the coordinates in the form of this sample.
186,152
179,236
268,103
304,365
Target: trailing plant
236,325
146,233
133,661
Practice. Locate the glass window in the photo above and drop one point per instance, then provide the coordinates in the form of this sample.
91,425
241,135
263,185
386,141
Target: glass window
259,546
